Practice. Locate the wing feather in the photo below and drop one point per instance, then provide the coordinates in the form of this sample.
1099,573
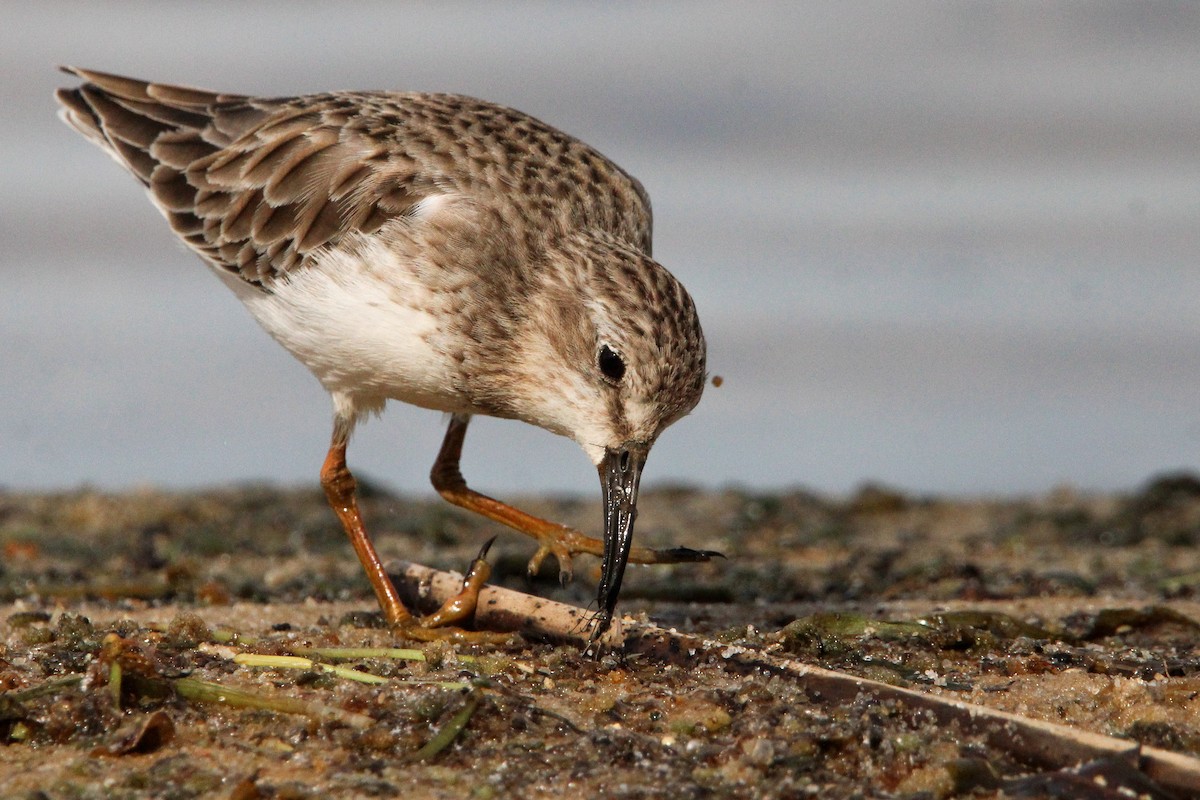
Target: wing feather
256,186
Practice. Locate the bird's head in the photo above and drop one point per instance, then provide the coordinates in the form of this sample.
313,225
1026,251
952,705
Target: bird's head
618,353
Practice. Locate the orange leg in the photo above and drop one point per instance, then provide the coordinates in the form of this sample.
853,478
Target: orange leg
340,488
559,540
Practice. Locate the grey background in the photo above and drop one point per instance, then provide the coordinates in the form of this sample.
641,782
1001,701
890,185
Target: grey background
952,247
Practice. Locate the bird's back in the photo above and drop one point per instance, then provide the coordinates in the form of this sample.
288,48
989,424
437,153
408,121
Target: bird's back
258,185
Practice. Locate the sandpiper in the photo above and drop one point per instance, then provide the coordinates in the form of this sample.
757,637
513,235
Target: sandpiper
438,250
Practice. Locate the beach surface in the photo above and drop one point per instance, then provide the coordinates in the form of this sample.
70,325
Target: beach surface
134,626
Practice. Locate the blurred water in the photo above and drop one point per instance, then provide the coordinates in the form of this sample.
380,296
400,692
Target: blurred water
949,247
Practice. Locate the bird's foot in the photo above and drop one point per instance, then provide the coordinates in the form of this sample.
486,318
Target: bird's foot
443,624
565,543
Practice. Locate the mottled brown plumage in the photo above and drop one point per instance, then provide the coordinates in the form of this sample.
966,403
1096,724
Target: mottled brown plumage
256,185
434,249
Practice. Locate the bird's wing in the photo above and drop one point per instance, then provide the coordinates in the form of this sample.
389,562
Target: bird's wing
253,185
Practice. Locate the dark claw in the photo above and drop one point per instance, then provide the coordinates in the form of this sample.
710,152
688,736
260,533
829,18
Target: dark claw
686,554
483,551
565,574
480,563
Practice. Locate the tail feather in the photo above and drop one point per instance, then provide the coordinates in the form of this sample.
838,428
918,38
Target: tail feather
128,118
147,92
257,185
79,115
158,133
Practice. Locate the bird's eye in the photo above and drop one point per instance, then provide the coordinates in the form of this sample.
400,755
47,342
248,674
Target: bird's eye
610,364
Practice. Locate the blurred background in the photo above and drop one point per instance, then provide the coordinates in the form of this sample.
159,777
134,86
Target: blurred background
948,247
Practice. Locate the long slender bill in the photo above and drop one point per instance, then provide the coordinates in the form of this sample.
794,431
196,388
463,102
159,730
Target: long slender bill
620,472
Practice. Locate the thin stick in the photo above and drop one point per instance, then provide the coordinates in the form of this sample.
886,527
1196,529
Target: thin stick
114,683
450,730
50,687
503,609
206,692
1046,743
297,662
356,653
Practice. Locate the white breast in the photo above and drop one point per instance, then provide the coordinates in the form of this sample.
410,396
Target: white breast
362,325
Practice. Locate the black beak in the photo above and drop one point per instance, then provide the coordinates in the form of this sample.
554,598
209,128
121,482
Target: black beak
620,471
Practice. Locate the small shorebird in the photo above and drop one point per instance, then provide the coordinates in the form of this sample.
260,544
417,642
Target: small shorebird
433,249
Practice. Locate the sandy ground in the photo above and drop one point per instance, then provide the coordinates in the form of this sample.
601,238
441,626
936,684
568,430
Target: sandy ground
1076,609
